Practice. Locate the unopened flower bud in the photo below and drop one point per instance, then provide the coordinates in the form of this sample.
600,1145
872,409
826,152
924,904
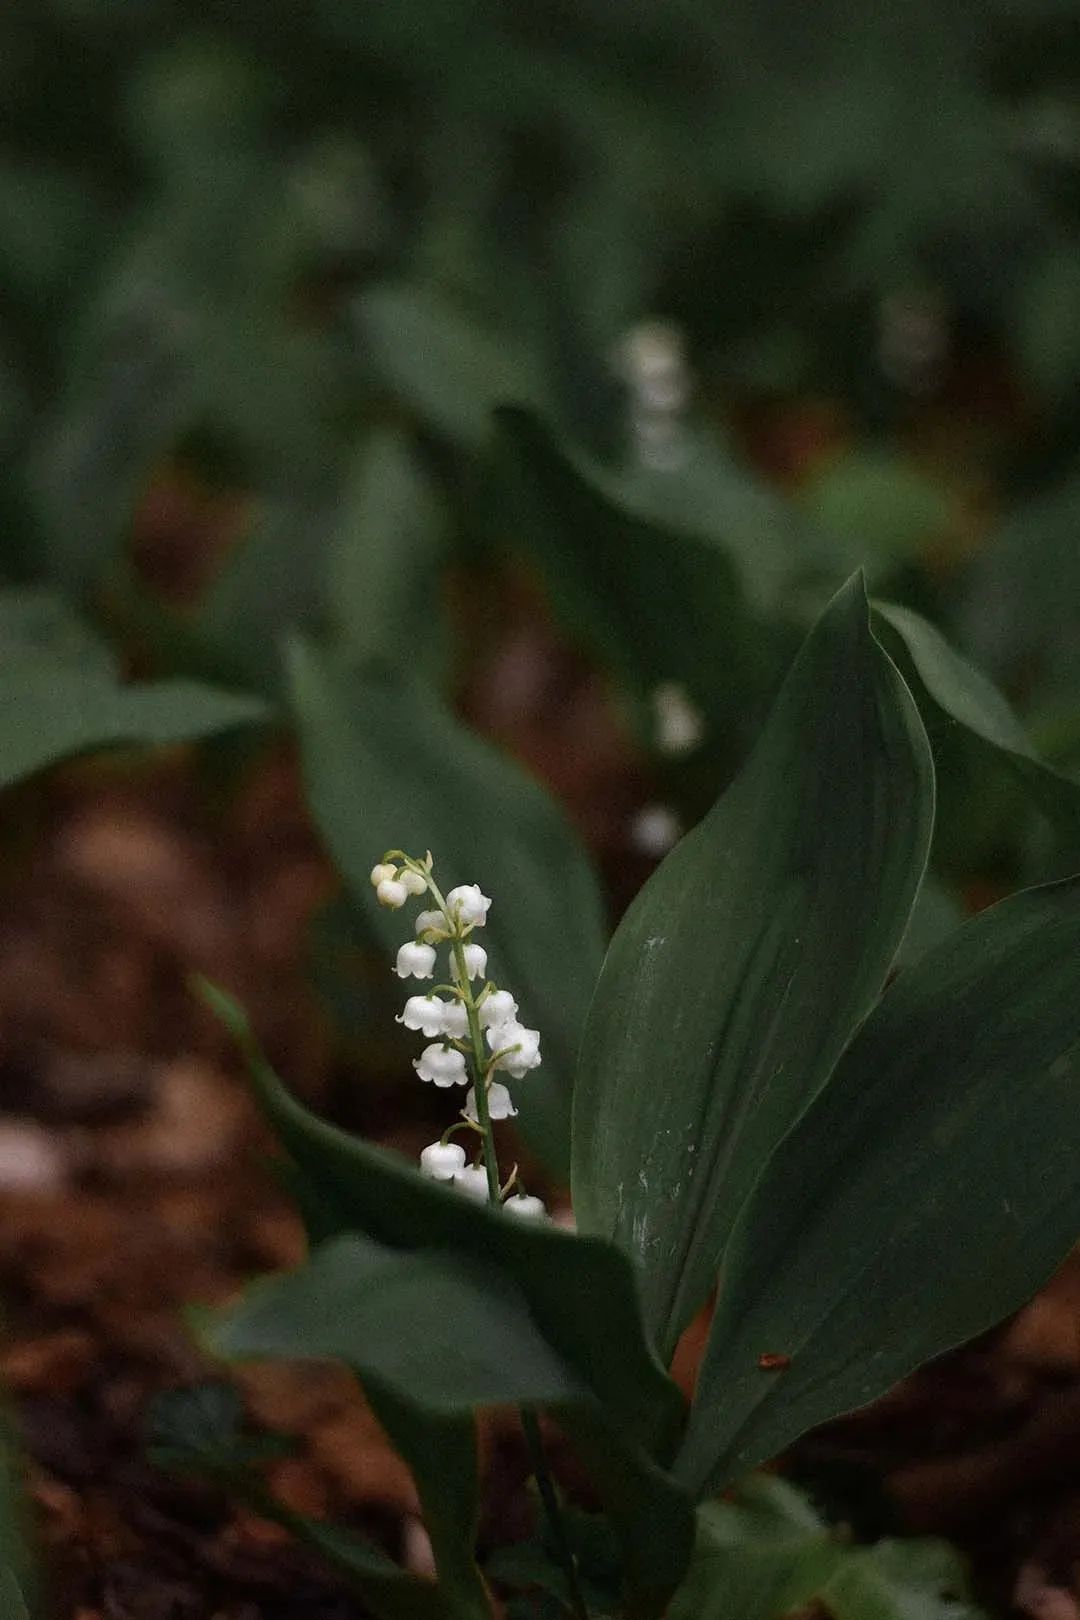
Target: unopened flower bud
442,1066
442,1161
430,922
382,874
426,1014
413,882
475,962
391,893
473,1182
468,904
415,961
525,1207
519,1048
497,1008
500,1103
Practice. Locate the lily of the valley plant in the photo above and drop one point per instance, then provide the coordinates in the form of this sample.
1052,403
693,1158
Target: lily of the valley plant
857,1167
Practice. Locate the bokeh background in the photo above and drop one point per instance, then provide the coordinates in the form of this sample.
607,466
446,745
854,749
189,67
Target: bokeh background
393,396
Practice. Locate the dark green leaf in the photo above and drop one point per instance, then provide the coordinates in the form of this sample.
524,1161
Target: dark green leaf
271,584
383,593
929,1191
446,366
385,1587
580,1294
51,713
441,1454
433,1336
580,1291
766,1554
626,584
955,689
201,1430
444,1333
740,971
387,767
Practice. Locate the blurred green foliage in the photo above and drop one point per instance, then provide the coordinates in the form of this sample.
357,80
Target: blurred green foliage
271,278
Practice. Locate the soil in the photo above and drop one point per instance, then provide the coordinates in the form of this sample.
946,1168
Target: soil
133,1184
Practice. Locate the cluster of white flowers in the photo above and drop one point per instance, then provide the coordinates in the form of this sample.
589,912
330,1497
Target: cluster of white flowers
459,1023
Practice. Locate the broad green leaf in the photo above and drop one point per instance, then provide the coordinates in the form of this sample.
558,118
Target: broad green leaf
928,1192
200,1431
445,365
900,1580
937,911
766,1554
581,1291
50,714
433,1336
651,1515
271,584
627,585
383,591
387,767
580,1294
948,684
709,496
444,1333
739,972
91,465
442,1456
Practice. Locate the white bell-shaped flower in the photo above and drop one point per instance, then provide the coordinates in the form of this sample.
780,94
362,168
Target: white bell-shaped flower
383,873
442,1066
519,1048
468,904
413,882
429,922
525,1207
497,1008
391,893
500,1103
455,1020
475,962
426,1014
442,1161
473,1182
415,961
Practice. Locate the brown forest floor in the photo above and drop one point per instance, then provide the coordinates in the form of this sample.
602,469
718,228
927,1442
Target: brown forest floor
131,1186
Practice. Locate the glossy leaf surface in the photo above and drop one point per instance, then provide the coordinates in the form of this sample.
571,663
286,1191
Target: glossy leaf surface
741,969
928,1192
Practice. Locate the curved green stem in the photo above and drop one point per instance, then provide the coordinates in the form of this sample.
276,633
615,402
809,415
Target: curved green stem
544,1485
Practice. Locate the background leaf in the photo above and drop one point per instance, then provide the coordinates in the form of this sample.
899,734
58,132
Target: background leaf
383,591
946,682
387,767
766,1553
626,585
50,714
737,975
946,1133
450,369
